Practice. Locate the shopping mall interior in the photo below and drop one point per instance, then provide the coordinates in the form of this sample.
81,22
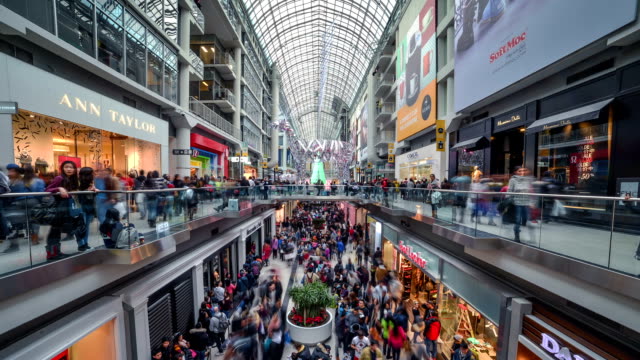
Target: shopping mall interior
319,179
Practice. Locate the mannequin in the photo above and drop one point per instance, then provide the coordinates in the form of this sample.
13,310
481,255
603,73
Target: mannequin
476,174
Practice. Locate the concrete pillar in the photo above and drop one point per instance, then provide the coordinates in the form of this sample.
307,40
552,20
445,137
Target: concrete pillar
520,307
275,112
6,141
450,40
242,248
450,97
138,321
285,147
237,86
371,122
273,223
183,86
197,277
183,141
184,29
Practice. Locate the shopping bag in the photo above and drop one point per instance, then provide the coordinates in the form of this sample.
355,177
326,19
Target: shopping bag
558,209
122,209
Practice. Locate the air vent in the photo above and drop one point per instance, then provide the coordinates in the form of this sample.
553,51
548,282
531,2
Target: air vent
600,67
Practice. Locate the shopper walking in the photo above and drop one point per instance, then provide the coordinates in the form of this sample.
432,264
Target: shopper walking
520,182
87,201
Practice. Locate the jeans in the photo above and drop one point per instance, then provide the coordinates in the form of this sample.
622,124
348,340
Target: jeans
522,215
218,339
395,353
152,208
88,218
102,205
432,347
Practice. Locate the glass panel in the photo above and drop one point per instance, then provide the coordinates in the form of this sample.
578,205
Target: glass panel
154,11
171,19
38,11
136,51
112,8
75,24
110,38
155,63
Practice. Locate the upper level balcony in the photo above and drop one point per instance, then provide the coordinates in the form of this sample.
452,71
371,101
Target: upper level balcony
383,85
224,63
222,97
197,23
196,70
212,118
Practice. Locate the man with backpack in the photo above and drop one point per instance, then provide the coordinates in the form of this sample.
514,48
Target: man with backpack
218,327
431,333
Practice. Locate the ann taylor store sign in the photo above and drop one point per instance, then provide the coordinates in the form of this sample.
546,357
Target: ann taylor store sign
87,107
48,94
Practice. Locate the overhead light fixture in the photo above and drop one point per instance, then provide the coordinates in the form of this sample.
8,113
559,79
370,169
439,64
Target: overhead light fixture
213,49
204,49
60,148
32,116
205,83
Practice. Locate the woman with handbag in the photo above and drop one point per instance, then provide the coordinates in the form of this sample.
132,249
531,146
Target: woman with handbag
69,214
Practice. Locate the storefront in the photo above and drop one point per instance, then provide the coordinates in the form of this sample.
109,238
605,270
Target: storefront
209,157
254,241
250,171
508,139
219,267
470,156
419,164
65,121
547,334
469,303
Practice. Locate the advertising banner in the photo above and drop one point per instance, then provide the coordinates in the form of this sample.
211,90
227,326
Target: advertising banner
499,42
416,74
362,119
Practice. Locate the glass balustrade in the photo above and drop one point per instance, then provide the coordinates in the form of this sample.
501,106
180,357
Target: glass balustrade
39,226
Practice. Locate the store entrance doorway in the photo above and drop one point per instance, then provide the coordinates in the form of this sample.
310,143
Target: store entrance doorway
507,152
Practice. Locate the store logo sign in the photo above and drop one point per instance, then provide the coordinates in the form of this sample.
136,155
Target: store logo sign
412,156
90,108
407,251
553,347
513,118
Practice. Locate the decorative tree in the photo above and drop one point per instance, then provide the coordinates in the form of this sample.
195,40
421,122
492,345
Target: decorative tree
318,172
310,302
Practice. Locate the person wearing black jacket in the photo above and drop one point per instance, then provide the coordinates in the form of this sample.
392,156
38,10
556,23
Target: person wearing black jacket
199,340
264,188
138,184
302,353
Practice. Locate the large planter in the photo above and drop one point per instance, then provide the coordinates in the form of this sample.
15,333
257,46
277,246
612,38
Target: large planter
311,335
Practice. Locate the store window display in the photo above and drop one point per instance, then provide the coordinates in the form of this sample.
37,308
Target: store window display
576,156
461,322
45,142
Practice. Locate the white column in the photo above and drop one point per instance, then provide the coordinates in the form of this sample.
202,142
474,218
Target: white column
273,224
184,29
275,112
242,248
139,330
183,141
371,120
237,86
6,141
198,288
285,146
450,40
450,96
183,86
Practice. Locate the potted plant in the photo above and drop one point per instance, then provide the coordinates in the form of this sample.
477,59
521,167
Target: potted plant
309,320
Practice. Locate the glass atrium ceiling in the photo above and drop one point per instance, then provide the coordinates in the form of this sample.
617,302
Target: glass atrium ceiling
322,49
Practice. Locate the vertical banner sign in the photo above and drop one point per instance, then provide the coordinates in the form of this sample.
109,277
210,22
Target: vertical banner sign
416,74
441,135
391,159
391,148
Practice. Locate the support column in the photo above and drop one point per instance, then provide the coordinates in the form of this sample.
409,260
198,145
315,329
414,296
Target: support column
184,29
184,33
138,322
285,148
273,223
371,122
6,140
183,86
237,87
197,277
275,112
183,141
242,248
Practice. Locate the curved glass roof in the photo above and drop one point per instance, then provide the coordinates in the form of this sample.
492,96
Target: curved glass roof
322,49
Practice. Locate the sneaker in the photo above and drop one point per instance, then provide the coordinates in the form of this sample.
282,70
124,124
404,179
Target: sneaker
84,247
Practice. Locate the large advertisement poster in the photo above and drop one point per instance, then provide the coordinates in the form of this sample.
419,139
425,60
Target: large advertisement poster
416,75
498,42
362,119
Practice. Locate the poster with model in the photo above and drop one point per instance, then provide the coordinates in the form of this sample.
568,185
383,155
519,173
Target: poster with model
416,74
499,42
363,128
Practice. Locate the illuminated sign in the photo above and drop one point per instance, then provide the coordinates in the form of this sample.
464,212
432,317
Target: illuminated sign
416,257
513,118
553,347
90,108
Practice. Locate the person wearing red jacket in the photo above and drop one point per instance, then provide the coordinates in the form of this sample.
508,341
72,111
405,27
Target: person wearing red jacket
266,253
432,333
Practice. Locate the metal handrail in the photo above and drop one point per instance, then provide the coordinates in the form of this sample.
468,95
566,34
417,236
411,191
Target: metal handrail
198,15
196,62
213,118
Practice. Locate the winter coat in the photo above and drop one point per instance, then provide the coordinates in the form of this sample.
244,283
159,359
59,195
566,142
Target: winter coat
432,329
521,184
199,339
396,338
